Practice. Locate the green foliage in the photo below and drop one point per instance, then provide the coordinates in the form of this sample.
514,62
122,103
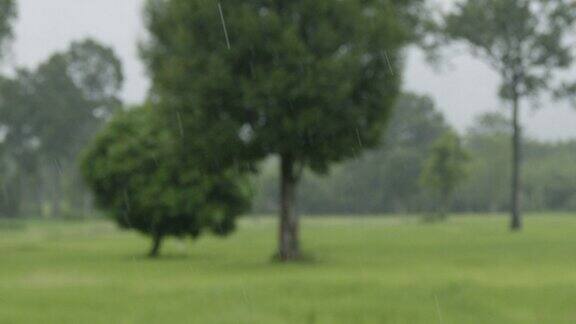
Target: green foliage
528,43
7,16
549,180
487,187
48,115
53,110
8,202
385,179
445,169
137,174
414,128
72,93
311,79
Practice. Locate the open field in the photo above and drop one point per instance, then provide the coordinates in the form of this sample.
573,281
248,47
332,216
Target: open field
364,270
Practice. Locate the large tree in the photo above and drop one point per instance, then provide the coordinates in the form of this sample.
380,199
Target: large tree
526,42
310,81
74,92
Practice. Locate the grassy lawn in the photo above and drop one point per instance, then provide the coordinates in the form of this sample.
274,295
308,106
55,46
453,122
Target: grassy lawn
364,270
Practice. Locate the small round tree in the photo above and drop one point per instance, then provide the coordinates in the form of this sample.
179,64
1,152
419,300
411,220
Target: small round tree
138,175
445,169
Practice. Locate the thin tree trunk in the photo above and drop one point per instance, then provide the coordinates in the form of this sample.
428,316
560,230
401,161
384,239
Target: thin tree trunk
288,238
156,244
516,220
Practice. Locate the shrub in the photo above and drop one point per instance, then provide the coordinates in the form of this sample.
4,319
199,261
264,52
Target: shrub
138,175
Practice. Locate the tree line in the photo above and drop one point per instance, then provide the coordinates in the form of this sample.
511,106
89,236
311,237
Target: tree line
48,114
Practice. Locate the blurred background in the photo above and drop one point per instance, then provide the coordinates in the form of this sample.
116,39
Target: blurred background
461,93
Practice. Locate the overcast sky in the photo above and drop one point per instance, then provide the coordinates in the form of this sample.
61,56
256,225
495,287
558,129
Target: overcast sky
462,91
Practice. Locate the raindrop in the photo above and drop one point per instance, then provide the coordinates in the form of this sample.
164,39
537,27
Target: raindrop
58,166
388,62
224,25
358,138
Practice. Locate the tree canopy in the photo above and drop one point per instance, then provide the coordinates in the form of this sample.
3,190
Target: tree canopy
138,175
445,169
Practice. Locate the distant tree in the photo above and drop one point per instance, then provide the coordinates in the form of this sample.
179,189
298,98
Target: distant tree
49,113
526,42
19,142
138,175
491,124
62,102
8,202
550,176
445,169
415,126
382,180
487,141
310,81
7,16
549,180
73,93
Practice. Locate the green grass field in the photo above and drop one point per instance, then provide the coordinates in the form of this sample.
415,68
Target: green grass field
363,270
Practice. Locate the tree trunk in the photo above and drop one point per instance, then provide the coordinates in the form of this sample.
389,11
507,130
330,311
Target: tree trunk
516,220
288,245
156,244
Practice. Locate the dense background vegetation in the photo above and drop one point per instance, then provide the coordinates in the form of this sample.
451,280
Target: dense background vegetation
50,112
385,180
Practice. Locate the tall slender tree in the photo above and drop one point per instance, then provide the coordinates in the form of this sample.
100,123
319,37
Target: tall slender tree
526,42
311,81
51,112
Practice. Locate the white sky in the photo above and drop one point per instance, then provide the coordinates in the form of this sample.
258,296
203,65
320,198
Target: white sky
461,92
